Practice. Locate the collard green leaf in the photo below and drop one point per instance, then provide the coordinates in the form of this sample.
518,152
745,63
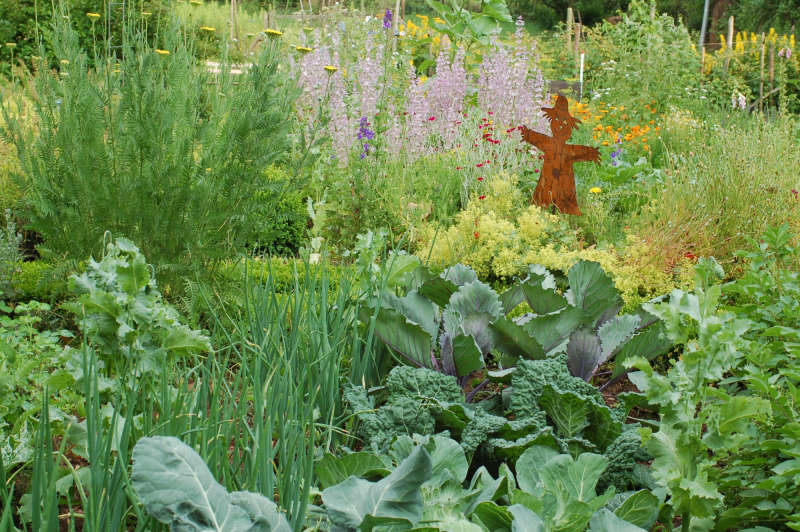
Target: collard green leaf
514,340
438,290
416,309
543,300
603,427
568,410
525,520
332,470
573,479
553,330
467,355
493,516
459,274
403,337
584,353
640,509
648,344
530,463
605,521
396,497
592,291
176,488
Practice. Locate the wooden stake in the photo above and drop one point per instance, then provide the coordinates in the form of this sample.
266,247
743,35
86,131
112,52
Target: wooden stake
730,43
570,22
577,42
771,71
652,11
761,84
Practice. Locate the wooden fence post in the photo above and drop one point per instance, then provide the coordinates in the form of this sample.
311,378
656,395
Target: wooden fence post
730,43
570,22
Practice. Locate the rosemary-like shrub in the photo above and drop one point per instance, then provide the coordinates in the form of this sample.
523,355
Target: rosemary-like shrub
152,147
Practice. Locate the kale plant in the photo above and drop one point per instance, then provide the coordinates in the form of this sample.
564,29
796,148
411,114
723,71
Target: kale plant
121,312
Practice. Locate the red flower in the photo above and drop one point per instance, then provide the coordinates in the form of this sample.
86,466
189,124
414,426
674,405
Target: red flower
480,179
458,168
479,165
490,113
475,234
794,191
431,118
535,170
689,255
482,196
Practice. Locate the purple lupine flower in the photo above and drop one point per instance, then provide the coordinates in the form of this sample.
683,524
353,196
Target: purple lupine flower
614,154
387,19
364,134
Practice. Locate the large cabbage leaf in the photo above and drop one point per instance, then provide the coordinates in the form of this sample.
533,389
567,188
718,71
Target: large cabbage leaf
176,488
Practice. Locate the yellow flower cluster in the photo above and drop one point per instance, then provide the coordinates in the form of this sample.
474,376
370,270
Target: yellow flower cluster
499,236
422,31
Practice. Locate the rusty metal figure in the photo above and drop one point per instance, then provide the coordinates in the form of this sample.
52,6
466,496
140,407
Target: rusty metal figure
557,182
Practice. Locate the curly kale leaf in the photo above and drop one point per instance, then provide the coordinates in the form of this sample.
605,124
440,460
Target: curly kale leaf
532,376
414,396
418,383
624,470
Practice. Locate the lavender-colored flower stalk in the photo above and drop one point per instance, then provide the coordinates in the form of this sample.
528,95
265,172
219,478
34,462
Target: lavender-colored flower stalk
387,19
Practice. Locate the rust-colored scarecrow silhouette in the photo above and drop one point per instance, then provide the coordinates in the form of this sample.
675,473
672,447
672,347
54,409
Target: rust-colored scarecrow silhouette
557,182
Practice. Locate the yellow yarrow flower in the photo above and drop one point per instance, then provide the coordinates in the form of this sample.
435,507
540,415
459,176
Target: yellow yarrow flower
93,16
303,49
595,190
161,52
330,69
208,29
11,44
274,34
146,13
65,61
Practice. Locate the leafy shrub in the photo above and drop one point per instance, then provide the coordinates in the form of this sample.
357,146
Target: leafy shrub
279,219
642,59
173,162
10,255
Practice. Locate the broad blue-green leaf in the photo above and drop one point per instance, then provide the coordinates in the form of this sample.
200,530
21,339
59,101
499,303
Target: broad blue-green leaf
576,479
542,300
467,355
525,520
530,463
605,521
459,274
185,341
568,410
648,344
640,509
494,517
591,290
176,488
616,331
603,426
416,309
332,470
584,354
403,337
133,277
553,330
396,496
476,298
438,290
514,340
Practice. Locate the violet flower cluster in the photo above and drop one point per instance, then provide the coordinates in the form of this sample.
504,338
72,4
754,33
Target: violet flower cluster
387,19
365,134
